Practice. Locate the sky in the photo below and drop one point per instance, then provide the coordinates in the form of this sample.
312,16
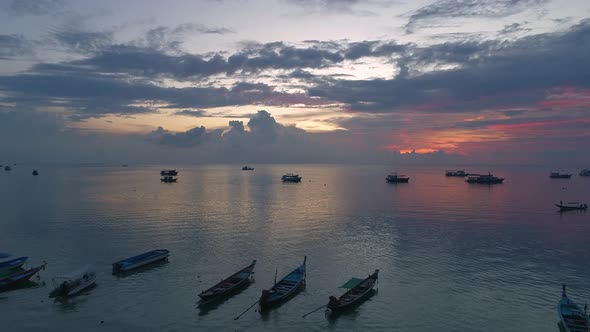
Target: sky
296,81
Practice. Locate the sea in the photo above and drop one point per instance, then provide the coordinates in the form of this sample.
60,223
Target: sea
452,256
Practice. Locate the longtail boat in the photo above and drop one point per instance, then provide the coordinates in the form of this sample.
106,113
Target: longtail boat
226,287
140,260
569,206
571,316
12,264
359,291
18,278
285,288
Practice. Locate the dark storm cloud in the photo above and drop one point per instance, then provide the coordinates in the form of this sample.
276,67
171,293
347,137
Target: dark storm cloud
489,74
37,7
12,46
445,9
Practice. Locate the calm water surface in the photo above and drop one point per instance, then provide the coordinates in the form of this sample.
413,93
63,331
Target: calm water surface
453,256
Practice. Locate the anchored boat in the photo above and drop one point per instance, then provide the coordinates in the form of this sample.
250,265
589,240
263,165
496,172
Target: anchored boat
168,172
226,287
12,264
74,282
285,288
585,172
484,179
290,177
558,175
360,290
18,278
246,168
460,173
568,206
571,317
140,260
397,178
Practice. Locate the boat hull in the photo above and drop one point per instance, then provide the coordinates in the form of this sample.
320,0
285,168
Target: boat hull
397,180
285,289
572,317
369,282
19,278
136,261
571,208
12,264
210,295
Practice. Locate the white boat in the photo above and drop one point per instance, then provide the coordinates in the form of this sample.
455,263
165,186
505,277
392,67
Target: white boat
74,282
571,317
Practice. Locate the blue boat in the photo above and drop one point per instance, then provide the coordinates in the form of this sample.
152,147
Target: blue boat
18,278
12,264
140,260
284,289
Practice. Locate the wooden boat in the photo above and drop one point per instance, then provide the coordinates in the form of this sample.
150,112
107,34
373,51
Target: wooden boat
397,178
571,316
246,168
12,264
558,175
168,172
140,260
569,206
290,177
353,296
460,173
74,283
484,179
20,277
285,288
231,284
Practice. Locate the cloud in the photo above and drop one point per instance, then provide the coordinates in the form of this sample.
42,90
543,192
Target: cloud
448,9
12,46
190,138
88,42
196,114
37,7
514,28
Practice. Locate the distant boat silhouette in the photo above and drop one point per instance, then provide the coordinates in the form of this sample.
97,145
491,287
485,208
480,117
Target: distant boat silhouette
460,173
35,172
558,175
290,177
168,172
246,168
397,178
484,179
584,172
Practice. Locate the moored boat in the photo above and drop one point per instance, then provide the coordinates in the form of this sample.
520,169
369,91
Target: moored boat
7,168
168,172
558,175
227,286
290,177
359,291
12,264
35,172
585,172
484,179
140,260
397,178
74,282
568,206
19,277
246,168
571,316
460,173
285,288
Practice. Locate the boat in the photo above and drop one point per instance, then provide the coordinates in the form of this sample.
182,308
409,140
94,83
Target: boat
168,172
585,172
168,179
397,178
19,277
568,206
7,168
360,290
558,175
233,283
571,317
74,283
483,179
246,168
140,260
12,264
290,177
285,288
35,172
460,173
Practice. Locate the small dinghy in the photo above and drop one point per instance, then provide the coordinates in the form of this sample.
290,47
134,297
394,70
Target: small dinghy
285,288
360,290
571,317
18,278
140,260
226,287
11,265
75,282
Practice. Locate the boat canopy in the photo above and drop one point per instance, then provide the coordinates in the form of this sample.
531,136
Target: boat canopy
352,283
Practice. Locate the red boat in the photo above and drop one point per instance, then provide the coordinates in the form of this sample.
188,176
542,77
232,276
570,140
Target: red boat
19,277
